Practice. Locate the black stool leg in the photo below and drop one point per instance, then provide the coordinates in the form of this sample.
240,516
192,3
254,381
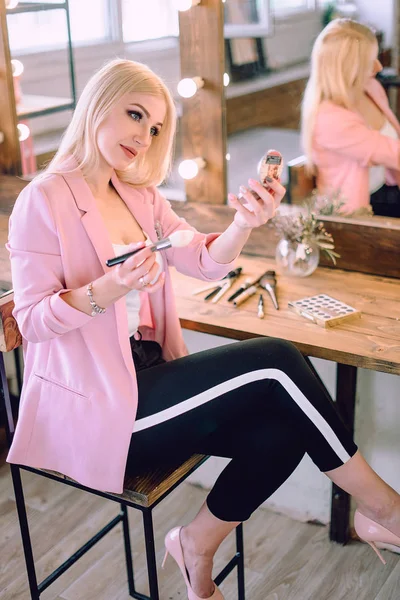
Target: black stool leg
18,368
240,564
128,550
26,538
150,554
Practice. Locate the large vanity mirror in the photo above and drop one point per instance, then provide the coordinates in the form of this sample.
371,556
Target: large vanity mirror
259,113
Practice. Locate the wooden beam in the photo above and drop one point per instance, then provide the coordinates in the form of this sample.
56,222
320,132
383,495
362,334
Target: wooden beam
203,120
10,155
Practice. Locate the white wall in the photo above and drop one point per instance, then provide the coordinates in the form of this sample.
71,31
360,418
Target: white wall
292,39
381,15
306,494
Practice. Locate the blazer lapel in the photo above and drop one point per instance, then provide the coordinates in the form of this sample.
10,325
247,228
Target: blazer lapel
91,218
139,203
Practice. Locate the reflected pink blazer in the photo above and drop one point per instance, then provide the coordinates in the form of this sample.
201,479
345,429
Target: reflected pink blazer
344,148
79,397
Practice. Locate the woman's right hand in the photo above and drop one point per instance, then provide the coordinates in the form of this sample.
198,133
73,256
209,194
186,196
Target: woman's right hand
139,271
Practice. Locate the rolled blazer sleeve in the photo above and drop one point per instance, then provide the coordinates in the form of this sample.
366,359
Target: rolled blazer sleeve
343,131
37,270
193,260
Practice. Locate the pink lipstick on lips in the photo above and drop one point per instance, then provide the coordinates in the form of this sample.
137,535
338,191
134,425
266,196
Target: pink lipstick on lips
130,152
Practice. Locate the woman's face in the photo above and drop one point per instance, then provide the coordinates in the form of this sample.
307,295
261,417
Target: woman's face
129,128
375,65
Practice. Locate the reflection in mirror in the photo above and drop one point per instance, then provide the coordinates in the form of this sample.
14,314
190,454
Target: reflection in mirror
263,113
246,18
246,148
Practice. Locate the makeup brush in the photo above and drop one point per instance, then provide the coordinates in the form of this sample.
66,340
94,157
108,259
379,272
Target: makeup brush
178,239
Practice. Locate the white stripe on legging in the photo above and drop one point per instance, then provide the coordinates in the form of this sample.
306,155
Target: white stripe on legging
241,380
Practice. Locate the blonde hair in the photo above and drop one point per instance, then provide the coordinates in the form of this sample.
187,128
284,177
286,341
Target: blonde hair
340,60
102,91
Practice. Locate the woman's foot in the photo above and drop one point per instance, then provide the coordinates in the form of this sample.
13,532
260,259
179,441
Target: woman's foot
387,516
374,497
199,566
373,533
194,546
202,587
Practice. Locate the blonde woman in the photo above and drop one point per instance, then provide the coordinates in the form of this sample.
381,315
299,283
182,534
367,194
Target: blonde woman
107,383
349,133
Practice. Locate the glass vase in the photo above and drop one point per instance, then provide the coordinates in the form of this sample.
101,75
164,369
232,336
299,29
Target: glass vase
296,259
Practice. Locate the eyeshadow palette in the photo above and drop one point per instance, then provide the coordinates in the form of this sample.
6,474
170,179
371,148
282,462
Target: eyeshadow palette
324,310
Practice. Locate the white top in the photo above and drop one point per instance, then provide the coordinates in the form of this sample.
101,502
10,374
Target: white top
377,173
132,298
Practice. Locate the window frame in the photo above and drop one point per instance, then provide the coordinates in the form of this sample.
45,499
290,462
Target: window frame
281,15
261,29
113,42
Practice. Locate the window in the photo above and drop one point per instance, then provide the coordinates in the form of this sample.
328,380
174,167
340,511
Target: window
149,20
284,7
36,31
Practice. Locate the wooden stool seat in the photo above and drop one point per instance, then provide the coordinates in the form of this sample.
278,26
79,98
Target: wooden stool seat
146,489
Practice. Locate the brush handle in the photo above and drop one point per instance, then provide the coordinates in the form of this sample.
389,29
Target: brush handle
245,295
161,245
238,292
122,258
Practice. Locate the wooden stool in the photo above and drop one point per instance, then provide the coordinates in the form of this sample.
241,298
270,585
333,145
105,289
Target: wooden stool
143,492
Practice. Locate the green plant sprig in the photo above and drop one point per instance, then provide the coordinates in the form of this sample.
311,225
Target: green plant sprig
305,228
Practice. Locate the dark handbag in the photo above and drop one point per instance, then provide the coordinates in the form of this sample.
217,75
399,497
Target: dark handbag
145,353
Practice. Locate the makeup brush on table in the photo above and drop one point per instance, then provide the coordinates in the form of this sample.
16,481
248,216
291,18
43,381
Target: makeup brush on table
178,239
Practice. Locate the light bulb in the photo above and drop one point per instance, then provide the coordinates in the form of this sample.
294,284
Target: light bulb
183,5
228,156
188,169
24,132
226,79
188,87
11,3
17,67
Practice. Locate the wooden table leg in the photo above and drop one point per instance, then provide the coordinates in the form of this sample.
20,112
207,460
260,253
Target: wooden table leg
346,381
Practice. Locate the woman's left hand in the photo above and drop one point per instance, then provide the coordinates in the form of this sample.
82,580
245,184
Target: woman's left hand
259,208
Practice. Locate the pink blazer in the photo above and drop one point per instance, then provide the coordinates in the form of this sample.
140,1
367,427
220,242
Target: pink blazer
79,397
344,147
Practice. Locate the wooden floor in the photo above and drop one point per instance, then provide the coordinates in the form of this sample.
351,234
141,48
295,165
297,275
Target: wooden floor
285,559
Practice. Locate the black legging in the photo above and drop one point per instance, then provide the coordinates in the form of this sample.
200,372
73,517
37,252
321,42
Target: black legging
385,202
256,402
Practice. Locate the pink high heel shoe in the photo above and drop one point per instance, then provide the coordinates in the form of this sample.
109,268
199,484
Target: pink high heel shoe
371,532
174,548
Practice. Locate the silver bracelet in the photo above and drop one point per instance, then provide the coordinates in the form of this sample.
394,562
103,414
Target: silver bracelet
96,309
